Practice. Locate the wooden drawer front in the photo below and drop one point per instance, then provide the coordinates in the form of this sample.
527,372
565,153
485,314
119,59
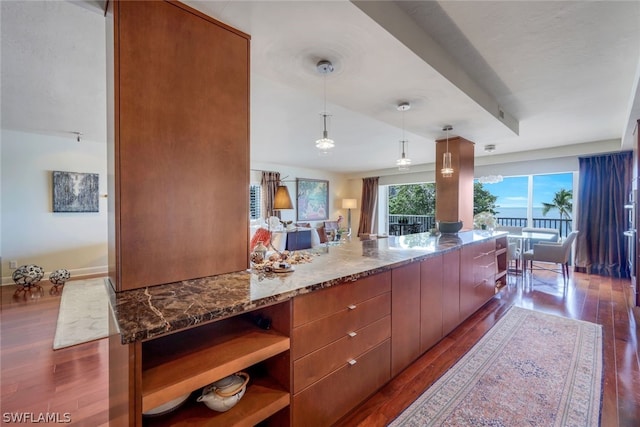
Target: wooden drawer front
484,270
312,336
313,306
485,249
316,365
329,399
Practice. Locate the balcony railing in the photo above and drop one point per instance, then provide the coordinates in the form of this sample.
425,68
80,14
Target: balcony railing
401,224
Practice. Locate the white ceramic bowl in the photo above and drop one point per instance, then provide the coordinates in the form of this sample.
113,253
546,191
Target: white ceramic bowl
167,407
225,393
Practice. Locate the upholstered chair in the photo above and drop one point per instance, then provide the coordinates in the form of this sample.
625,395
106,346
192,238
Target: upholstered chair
551,252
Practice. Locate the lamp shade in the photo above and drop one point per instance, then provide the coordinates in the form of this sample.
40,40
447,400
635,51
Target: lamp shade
349,203
282,200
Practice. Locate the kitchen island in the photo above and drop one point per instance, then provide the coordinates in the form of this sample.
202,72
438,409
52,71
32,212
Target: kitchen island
330,322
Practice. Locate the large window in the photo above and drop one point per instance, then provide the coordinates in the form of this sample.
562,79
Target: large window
535,201
513,196
555,191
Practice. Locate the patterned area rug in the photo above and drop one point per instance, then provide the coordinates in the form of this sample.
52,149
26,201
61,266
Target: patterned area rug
531,368
84,308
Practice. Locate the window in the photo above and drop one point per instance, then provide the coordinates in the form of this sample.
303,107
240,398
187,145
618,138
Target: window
513,199
521,201
255,201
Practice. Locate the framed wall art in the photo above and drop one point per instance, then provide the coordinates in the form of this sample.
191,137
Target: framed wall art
312,199
75,192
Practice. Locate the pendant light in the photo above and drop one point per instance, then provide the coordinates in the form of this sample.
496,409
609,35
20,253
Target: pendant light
447,169
404,162
325,143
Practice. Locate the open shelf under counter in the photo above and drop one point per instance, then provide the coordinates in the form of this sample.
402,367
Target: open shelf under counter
178,364
263,398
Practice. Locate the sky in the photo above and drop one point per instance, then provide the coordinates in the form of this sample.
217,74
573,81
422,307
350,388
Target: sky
512,192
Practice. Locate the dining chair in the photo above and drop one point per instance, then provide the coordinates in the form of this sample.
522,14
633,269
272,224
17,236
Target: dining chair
551,253
514,244
513,253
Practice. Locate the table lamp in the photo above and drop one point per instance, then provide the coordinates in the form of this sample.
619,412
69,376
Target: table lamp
281,199
349,204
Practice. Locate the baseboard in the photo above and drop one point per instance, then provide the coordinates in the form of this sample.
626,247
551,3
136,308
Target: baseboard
78,273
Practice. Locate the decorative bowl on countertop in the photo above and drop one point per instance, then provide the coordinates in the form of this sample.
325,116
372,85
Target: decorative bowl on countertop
449,227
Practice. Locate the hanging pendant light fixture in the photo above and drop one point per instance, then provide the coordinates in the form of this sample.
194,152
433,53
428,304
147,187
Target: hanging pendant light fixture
404,162
447,169
325,143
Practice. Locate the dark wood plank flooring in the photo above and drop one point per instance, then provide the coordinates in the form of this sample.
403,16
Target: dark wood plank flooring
39,381
36,379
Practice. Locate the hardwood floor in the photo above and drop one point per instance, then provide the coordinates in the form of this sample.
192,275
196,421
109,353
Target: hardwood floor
36,379
71,382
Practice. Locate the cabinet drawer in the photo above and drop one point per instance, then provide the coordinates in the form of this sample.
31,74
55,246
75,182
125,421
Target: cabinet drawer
314,335
331,398
485,249
484,270
316,305
316,365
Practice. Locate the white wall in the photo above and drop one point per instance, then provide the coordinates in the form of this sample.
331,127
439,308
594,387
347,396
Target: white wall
31,233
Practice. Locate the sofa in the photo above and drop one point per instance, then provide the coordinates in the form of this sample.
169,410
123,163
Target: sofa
294,237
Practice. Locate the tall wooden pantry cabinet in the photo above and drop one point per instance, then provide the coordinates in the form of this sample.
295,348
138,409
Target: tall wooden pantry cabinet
178,144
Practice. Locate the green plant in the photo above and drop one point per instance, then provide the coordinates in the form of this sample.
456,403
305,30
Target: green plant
412,199
483,200
562,201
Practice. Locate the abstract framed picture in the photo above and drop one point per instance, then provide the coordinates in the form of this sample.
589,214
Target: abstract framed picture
312,203
75,192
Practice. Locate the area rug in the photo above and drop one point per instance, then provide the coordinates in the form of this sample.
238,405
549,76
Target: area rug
531,368
84,308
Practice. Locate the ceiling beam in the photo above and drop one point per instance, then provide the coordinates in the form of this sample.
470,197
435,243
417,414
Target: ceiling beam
401,26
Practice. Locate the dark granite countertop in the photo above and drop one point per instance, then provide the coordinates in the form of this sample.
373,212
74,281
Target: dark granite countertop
153,311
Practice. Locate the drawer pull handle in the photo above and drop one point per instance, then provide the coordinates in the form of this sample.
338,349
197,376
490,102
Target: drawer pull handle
352,334
351,306
352,362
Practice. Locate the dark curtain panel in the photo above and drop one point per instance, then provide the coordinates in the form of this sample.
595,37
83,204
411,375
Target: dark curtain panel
269,185
369,204
605,183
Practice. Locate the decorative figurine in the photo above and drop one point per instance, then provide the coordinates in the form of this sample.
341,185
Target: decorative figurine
58,278
27,277
259,253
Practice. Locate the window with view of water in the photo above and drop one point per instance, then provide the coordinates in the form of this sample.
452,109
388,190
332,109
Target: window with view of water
544,201
512,199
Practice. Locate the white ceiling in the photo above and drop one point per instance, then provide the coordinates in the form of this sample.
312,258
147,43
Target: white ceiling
561,73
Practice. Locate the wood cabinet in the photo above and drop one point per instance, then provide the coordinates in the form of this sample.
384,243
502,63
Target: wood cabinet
450,291
178,144
340,346
178,364
477,276
425,306
406,309
431,302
